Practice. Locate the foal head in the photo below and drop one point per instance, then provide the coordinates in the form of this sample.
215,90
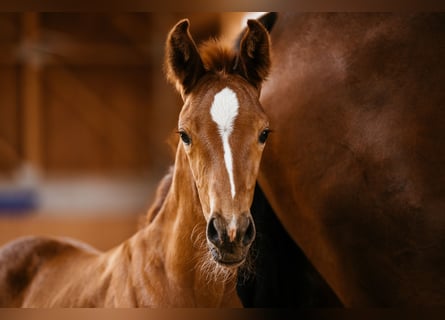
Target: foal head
223,130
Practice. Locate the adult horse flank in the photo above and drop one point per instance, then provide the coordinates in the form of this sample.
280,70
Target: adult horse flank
355,169
189,254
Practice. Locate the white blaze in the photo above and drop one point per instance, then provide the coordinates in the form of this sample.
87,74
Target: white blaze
224,111
231,229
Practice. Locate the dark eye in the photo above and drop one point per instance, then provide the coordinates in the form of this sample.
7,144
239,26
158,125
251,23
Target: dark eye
185,138
263,136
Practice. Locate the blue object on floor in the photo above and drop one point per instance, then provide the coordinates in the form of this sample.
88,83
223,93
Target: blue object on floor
17,201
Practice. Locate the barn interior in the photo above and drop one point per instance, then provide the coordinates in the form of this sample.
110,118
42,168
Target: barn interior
87,119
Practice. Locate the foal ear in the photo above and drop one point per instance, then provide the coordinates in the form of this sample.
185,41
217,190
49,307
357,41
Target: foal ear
254,55
183,63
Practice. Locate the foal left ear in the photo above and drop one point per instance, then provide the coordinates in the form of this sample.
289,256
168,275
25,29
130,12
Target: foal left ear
183,63
254,55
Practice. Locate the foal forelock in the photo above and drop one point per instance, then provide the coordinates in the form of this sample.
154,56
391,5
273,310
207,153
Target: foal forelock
224,111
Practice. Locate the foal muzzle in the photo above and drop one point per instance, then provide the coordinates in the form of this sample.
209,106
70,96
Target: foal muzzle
230,240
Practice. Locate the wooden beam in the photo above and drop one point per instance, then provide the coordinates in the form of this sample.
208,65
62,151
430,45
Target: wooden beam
30,89
8,54
68,52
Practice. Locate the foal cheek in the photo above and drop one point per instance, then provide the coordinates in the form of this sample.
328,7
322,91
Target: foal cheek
251,168
252,175
203,187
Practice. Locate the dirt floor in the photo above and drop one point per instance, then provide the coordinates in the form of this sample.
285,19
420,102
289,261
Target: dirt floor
102,232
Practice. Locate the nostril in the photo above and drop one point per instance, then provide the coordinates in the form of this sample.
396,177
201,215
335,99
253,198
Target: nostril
212,231
249,235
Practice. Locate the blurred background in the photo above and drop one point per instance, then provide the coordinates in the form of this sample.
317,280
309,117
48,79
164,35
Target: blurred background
85,116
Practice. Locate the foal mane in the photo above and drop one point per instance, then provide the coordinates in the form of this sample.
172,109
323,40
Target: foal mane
218,57
222,58
160,196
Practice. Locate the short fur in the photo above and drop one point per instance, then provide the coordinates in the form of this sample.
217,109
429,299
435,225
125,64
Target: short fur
355,168
183,257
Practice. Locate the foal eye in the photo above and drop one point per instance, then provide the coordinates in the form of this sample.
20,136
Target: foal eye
185,138
263,136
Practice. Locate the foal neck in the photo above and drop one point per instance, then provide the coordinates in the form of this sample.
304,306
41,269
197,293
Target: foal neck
188,264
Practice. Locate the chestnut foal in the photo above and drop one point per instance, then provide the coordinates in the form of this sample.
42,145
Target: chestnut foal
188,255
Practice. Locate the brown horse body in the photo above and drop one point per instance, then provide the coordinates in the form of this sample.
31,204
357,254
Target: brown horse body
164,264
355,169
200,231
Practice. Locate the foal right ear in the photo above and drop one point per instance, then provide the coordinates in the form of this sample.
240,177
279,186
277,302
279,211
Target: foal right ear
183,63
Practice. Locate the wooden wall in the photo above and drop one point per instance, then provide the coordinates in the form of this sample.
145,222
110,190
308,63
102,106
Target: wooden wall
85,93
10,138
